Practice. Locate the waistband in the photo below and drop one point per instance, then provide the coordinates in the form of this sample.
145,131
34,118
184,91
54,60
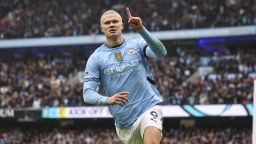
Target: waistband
160,103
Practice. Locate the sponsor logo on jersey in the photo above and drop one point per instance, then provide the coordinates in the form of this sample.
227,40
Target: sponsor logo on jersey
120,70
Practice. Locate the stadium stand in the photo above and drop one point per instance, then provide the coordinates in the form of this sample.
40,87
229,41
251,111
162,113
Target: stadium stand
39,78
33,78
25,19
107,136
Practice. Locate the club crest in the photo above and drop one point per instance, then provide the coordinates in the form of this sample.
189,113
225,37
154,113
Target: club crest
131,51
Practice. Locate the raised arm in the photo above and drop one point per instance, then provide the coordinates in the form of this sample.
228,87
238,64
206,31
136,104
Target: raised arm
156,48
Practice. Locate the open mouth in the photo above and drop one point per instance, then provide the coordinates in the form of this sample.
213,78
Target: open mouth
112,31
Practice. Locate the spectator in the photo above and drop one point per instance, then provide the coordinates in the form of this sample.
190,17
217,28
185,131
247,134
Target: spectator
108,136
25,19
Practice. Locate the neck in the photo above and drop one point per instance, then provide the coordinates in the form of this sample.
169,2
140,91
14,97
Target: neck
112,42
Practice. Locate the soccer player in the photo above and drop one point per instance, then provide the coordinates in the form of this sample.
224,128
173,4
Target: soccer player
120,66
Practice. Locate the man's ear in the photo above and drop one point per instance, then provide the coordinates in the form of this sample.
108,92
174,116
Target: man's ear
101,29
122,26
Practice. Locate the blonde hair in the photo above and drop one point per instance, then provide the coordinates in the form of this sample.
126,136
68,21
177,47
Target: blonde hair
110,12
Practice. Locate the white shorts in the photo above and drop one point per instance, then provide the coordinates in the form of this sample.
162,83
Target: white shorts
134,135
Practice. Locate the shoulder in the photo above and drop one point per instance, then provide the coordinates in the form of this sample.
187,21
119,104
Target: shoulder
136,42
94,57
97,52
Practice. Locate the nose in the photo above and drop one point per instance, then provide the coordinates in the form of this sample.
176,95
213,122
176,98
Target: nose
112,24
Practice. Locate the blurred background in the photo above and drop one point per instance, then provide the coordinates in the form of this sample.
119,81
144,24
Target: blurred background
206,81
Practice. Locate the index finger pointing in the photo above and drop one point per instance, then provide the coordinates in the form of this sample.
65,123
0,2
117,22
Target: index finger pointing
128,12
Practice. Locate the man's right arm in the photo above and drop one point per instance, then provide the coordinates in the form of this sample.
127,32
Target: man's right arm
91,80
91,96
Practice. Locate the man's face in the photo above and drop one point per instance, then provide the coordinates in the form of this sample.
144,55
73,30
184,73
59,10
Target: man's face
111,25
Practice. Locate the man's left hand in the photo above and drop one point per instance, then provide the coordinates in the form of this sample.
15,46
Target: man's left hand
134,21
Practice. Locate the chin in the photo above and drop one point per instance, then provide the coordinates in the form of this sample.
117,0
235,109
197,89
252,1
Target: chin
113,36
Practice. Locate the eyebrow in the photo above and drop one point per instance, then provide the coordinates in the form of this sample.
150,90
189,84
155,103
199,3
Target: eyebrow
107,21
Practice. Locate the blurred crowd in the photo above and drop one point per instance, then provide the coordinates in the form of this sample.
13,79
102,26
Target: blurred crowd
28,18
33,78
230,81
107,136
208,136
59,136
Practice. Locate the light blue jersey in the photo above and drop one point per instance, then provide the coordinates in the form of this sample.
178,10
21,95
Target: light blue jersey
122,69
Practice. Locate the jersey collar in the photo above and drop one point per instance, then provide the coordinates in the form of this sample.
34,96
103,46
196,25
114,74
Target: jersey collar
115,47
